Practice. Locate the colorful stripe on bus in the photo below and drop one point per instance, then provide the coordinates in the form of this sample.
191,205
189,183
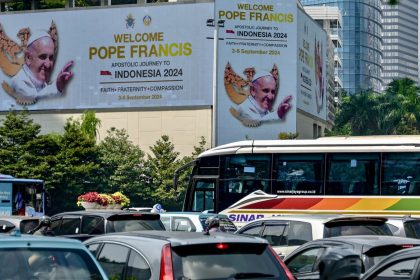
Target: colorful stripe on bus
252,210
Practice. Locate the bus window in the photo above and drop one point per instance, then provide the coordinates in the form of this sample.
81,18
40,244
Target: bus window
401,174
298,174
19,196
204,196
230,191
352,174
246,167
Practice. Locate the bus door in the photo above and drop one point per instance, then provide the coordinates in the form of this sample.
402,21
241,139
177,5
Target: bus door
203,194
6,199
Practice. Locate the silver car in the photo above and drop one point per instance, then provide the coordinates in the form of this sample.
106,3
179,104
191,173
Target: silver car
186,255
193,221
286,233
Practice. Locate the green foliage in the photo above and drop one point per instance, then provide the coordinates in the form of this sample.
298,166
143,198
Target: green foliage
73,163
90,124
17,134
122,166
51,4
161,167
77,167
288,135
396,111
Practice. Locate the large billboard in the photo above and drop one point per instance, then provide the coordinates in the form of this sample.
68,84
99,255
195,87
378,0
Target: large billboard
107,58
312,67
257,69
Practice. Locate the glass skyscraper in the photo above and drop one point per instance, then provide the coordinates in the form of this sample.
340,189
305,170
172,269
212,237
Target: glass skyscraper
362,42
400,41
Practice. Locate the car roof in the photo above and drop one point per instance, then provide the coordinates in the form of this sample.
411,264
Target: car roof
368,241
198,214
177,238
15,239
18,218
323,218
103,213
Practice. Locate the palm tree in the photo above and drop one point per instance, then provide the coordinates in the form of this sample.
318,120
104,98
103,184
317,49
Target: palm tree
360,112
404,113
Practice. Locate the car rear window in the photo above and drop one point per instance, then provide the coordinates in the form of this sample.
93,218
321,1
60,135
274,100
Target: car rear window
412,228
133,222
226,261
376,254
356,228
38,263
224,222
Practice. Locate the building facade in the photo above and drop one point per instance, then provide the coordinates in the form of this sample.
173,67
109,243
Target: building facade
143,73
400,41
330,19
362,42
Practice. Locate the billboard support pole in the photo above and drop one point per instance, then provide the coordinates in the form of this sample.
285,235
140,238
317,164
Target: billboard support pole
214,111
211,23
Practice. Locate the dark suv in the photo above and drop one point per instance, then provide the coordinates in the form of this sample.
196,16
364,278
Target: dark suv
83,225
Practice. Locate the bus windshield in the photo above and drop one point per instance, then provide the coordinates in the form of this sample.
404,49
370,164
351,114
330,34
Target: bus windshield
24,197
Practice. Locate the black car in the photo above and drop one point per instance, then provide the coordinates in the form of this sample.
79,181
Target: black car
83,225
304,261
403,264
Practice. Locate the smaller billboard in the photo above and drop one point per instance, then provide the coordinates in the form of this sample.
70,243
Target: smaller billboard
256,73
312,67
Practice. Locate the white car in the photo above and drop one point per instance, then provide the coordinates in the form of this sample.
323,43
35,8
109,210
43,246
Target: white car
286,233
405,226
193,221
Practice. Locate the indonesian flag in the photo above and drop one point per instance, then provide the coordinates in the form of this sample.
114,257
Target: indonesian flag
106,73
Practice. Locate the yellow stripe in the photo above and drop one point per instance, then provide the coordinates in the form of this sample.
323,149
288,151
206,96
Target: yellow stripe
374,204
356,212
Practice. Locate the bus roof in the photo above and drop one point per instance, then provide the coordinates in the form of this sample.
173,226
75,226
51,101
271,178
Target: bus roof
375,143
9,178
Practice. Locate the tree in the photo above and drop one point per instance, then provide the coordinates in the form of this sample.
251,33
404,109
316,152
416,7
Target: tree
77,168
404,114
90,124
396,111
359,112
17,132
122,166
161,167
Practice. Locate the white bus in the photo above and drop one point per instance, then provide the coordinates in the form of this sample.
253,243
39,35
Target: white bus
348,175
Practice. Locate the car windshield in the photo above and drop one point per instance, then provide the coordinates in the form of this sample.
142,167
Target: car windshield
34,263
225,261
356,228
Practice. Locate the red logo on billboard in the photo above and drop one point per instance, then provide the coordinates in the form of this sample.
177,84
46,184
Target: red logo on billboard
106,73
